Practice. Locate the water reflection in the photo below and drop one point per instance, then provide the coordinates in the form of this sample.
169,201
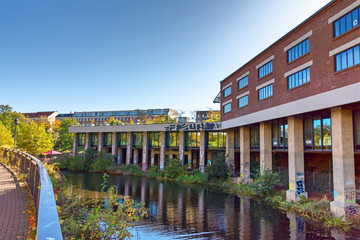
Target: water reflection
193,212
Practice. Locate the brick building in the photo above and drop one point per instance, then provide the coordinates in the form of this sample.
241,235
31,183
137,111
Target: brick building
297,104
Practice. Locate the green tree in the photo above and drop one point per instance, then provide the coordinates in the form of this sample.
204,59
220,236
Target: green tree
214,116
7,117
6,138
34,138
64,141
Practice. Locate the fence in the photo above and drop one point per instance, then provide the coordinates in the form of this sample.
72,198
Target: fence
40,186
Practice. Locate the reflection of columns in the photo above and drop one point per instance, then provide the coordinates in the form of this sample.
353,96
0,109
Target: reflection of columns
181,147
87,141
344,203
230,148
201,207
180,207
136,155
75,144
152,157
143,189
296,159
126,188
265,147
113,144
202,151
129,148
245,154
145,151
100,141
245,219
162,150
161,202
297,226
266,230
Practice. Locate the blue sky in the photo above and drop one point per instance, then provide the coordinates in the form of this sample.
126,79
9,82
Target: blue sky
84,55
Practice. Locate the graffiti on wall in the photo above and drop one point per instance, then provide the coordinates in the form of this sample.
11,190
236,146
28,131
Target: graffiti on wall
300,190
352,210
194,126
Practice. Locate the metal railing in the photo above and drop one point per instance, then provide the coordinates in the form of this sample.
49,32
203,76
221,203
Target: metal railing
41,189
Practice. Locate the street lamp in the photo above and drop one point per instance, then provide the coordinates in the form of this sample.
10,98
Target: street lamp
16,121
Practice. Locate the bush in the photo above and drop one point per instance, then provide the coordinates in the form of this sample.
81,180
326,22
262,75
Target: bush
101,163
154,172
264,185
133,170
195,176
218,168
174,169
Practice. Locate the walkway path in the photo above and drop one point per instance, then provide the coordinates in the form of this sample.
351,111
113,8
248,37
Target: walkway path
13,206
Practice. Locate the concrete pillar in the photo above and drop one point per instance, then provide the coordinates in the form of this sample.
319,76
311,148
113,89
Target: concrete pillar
296,159
181,147
245,154
152,157
202,151
145,151
162,150
87,141
113,144
265,147
75,144
136,156
230,148
100,141
129,148
344,203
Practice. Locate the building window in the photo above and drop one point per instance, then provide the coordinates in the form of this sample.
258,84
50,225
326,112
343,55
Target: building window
81,139
299,78
94,139
107,139
243,82
347,58
254,137
265,92
137,139
154,139
299,50
217,140
317,131
122,139
172,139
192,139
346,22
357,130
227,107
265,70
243,101
227,91
280,134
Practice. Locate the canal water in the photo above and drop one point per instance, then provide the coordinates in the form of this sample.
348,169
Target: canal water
182,212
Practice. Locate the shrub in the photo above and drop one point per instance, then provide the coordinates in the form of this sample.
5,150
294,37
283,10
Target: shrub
174,169
218,168
195,176
101,163
264,185
154,172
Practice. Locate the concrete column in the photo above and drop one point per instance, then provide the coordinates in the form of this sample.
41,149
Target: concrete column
230,148
202,151
100,141
75,144
129,148
245,154
113,144
136,156
296,159
344,203
152,157
265,147
87,141
181,147
162,150
145,151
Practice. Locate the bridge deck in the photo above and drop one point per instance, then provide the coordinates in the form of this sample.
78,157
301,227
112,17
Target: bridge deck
13,206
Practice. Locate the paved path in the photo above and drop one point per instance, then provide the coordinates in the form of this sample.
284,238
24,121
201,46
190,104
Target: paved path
13,206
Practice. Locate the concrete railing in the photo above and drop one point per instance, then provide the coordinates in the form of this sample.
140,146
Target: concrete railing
41,188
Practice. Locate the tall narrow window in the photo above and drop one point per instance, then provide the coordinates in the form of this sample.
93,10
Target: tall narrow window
192,139
317,131
254,137
243,101
357,130
122,139
227,91
280,134
172,139
243,82
227,107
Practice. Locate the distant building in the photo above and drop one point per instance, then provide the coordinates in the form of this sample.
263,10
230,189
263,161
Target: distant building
39,116
183,119
202,116
125,116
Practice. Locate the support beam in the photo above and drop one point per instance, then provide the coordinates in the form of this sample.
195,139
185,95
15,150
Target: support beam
145,151
100,141
136,156
75,144
87,141
230,148
296,160
129,148
181,147
344,204
245,154
113,144
265,147
202,151
162,150
152,157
